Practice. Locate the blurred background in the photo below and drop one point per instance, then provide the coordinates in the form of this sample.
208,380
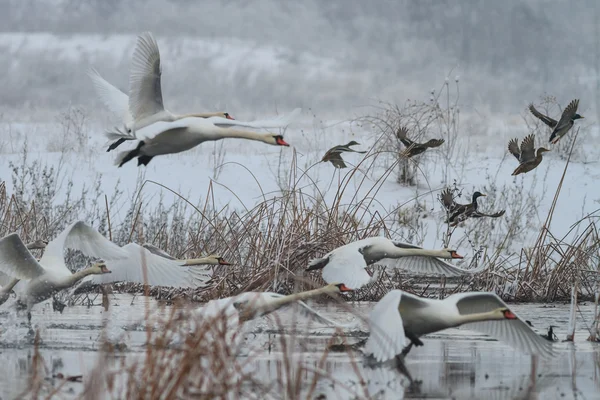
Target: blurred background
334,57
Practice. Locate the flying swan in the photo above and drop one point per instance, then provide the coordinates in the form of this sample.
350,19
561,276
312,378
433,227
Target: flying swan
347,263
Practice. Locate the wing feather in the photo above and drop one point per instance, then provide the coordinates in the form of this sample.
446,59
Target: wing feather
428,265
145,93
114,99
346,265
16,261
513,148
544,118
448,200
387,338
527,148
278,122
514,332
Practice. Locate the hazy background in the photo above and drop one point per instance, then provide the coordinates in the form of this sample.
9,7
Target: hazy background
332,56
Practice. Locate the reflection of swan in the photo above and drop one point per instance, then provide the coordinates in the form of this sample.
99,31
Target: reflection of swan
400,315
347,263
51,275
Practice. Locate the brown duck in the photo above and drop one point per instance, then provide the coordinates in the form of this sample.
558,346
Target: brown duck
562,126
528,159
458,213
414,148
334,155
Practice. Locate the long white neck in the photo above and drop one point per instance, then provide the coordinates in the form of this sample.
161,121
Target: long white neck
403,252
199,261
233,133
274,304
478,317
9,287
76,277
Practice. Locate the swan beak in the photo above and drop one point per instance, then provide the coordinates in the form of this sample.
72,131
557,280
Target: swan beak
279,140
456,255
344,288
509,314
105,270
223,262
229,116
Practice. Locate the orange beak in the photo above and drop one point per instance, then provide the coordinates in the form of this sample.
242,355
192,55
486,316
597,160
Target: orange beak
229,117
223,262
456,255
279,140
344,288
509,315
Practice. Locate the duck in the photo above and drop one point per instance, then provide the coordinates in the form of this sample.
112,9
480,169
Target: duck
347,263
334,155
528,159
413,148
458,213
50,275
399,319
564,124
155,269
162,137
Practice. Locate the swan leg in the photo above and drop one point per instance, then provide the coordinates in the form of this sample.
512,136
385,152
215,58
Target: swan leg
132,154
401,367
116,144
414,339
144,160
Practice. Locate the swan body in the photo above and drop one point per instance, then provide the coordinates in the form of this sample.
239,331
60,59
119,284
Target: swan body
50,274
146,267
347,263
399,316
118,103
184,134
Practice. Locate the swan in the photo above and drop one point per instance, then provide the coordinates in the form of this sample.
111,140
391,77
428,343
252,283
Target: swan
51,275
144,266
118,103
184,134
399,316
347,263
8,283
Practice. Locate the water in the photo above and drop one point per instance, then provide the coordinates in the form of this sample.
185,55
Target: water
453,364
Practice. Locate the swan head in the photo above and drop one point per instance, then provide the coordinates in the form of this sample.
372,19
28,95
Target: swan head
217,260
340,287
504,313
226,115
100,268
276,140
451,253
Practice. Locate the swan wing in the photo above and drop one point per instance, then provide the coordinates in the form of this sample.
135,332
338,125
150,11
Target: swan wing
346,264
514,332
278,122
114,99
145,93
151,131
16,261
156,251
79,236
387,337
427,265
142,266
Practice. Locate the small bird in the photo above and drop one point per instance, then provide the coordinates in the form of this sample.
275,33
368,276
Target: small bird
528,160
414,148
334,154
563,125
458,213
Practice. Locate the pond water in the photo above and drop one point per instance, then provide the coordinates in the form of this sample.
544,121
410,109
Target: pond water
453,364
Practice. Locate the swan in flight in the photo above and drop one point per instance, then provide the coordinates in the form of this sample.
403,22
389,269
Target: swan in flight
118,103
8,283
149,267
184,134
51,275
399,316
347,263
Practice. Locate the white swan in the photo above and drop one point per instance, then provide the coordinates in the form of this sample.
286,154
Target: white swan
8,282
144,266
118,103
50,274
399,316
186,133
347,263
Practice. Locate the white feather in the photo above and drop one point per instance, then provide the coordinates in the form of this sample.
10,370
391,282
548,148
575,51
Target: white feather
386,339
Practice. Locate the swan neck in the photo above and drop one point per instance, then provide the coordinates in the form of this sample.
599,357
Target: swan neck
77,276
10,286
479,317
198,261
417,252
241,134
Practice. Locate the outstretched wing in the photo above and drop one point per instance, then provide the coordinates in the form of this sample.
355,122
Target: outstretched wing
114,99
335,158
402,134
544,118
448,200
346,264
515,332
278,122
387,338
145,93
159,252
570,110
434,143
428,266
16,261
79,236
527,148
513,148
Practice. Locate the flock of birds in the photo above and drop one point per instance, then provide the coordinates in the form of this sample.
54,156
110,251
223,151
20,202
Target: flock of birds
397,321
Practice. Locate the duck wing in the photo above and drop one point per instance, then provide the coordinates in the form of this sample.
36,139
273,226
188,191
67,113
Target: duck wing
402,134
514,332
544,118
448,200
513,148
479,214
527,149
335,158
566,120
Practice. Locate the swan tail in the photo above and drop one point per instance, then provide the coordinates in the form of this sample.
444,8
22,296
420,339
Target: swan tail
120,133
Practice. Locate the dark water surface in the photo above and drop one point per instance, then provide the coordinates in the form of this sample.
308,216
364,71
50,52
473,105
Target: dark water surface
454,364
